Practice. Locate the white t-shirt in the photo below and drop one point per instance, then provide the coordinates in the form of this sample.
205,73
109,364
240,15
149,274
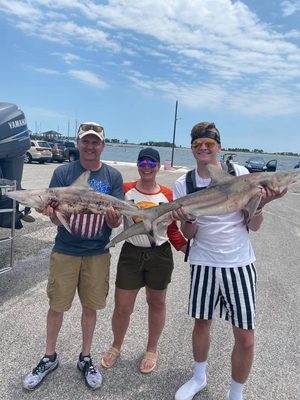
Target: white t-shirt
220,241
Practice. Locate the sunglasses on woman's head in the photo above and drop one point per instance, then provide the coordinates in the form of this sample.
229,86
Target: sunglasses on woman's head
209,143
145,163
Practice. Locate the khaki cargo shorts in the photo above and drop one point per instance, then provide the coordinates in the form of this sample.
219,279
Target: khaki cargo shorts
88,274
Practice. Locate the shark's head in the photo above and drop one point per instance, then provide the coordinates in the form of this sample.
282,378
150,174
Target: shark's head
29,198
39,198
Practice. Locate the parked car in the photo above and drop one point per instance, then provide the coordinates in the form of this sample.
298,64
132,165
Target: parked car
71,152
258,164
58,151
228,157
40,151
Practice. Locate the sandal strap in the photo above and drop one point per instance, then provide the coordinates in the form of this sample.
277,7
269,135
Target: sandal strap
113,351
150,356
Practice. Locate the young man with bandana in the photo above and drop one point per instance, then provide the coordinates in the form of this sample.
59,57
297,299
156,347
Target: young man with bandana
222,270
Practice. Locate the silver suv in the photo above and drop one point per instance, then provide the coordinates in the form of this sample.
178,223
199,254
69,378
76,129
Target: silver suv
40,151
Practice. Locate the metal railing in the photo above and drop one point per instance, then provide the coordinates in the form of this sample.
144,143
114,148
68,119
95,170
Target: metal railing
5,186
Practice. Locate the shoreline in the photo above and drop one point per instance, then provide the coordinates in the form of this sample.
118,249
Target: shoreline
162,167
251,152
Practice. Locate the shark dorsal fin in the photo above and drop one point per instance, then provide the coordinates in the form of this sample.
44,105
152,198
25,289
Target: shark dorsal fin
82,181
217,174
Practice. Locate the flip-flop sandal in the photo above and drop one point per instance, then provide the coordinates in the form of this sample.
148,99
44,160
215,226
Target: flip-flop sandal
148,356
113,355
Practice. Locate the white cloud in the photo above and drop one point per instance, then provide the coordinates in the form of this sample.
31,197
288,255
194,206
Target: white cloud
290,7
88,78
68,58
221,42
195,28
20,9
46,71
261,99
292,34
68,33
33,18
56,16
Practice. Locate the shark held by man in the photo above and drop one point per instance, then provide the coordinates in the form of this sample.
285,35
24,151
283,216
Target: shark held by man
225,194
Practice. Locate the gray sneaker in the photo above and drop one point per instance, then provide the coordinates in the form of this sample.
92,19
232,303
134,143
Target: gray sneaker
91,374
32,380
28,218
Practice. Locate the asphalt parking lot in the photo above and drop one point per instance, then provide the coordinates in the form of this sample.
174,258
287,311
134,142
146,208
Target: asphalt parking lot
23,307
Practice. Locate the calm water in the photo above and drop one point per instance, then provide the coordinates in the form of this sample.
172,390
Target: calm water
183,157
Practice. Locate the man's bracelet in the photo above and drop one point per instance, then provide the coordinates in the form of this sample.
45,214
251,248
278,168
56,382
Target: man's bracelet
191,221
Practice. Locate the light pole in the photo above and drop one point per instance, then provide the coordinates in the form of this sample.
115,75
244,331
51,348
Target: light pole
174,133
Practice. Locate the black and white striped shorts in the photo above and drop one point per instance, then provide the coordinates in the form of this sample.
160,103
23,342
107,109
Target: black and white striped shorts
234,288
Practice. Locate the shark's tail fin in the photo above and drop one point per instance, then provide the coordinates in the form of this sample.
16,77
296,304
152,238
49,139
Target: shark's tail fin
136,229
151,216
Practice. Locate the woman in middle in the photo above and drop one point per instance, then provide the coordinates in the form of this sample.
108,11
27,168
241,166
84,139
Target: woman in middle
141,265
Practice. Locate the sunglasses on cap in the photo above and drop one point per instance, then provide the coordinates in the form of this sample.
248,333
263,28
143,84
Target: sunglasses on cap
145,163
90,127
209,143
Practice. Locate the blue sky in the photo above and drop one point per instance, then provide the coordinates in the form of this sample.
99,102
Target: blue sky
124,63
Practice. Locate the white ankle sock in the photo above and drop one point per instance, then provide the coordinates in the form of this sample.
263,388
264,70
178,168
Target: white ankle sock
200,371
236,390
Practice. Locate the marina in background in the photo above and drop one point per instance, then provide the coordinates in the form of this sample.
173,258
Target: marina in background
184,158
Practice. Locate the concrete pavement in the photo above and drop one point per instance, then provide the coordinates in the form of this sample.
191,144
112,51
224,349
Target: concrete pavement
23,308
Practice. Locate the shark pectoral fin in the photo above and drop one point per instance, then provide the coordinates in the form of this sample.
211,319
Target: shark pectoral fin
151,228
151,240
63,221
252,206
83,179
